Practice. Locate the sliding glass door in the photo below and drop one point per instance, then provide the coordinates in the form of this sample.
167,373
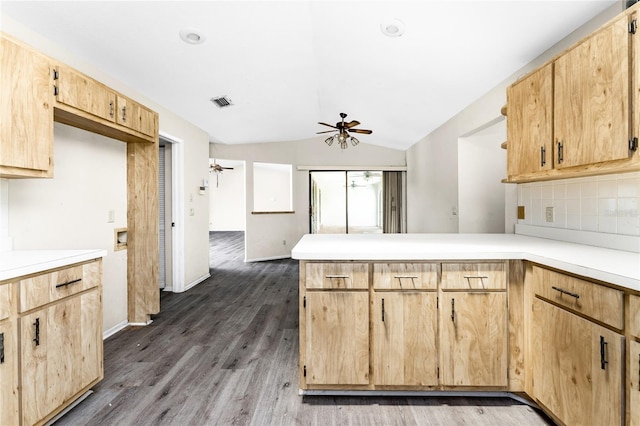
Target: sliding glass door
346,202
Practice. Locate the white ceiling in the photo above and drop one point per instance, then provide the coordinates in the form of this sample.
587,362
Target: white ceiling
288,64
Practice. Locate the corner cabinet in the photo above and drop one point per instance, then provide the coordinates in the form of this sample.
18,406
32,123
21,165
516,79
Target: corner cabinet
26,112
52,342
578,373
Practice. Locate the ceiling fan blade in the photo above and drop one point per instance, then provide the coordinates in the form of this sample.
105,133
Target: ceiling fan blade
351,124
227,168
362,131
327,131
325,124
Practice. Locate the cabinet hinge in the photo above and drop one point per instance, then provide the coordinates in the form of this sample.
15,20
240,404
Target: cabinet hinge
438,372
304,302
437,302
1,348
633,26
633,144
304,371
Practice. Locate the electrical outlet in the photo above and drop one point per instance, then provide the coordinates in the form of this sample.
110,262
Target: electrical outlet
284,242
549,214
111,216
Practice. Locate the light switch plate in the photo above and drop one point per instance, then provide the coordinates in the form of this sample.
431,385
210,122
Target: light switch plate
549,214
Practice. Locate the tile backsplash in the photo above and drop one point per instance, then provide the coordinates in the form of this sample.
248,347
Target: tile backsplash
607,204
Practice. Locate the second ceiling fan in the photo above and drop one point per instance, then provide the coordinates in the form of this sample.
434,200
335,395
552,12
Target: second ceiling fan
343,132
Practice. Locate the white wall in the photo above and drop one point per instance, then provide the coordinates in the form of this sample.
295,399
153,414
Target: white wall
481,167
70,211
432,163
196,157
265,233
227,199
271,187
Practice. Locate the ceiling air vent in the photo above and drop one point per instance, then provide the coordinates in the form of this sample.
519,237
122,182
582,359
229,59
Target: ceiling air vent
222,101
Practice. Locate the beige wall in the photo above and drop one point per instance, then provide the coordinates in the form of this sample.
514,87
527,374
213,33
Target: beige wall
196,154
265,234
432,163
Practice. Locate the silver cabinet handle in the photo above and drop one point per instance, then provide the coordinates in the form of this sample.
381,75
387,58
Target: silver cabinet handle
476,277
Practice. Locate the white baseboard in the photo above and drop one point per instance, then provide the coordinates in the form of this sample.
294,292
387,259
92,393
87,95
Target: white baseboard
113,330
196,281
263,259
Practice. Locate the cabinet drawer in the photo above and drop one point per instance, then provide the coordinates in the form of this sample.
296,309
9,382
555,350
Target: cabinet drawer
5,301
634,314
474,276
334,275
49,287
405,276
601,303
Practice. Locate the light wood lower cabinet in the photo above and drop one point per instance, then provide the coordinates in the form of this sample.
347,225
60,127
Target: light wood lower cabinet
9,403
577,367
473,343
404,330
51,341
337,338
634,385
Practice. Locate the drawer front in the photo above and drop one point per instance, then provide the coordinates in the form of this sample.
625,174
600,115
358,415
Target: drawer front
601,303
634,314
5,301
474,276
337,275
51,286
405,276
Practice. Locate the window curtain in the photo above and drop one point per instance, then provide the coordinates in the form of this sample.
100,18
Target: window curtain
394,217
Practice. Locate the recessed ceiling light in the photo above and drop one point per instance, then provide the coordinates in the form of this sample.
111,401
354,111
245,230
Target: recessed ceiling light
192,36
392,27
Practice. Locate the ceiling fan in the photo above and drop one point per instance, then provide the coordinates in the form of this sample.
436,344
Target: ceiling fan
217,169
343,132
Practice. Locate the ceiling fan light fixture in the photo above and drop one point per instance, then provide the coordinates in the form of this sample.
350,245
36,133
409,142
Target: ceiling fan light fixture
392,27
354,141
329,140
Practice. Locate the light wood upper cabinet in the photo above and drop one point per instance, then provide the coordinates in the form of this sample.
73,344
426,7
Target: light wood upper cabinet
337,337
473,343
591,118
84,93
530,123
578,365
26,111
137,117
404,337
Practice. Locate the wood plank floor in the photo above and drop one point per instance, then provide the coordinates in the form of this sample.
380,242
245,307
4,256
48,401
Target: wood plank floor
226,352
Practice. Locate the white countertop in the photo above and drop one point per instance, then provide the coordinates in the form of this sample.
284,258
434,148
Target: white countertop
24,262
617,267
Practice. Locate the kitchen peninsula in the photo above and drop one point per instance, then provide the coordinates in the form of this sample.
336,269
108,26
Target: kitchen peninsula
503,313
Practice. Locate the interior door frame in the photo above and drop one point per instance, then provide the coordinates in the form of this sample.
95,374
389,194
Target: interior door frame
177,212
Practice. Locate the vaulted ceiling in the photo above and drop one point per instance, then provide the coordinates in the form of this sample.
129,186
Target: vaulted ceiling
286,65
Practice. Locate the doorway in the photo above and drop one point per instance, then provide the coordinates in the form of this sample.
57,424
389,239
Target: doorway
171,214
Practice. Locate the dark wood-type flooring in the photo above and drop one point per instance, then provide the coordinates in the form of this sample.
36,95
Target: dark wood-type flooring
226,352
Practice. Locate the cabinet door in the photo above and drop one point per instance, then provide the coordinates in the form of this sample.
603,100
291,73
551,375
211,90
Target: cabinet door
26,112
404,338
135,116
634,383
591,117
61,353
85,94
8,374
577,371
529,123
474,338
337,338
